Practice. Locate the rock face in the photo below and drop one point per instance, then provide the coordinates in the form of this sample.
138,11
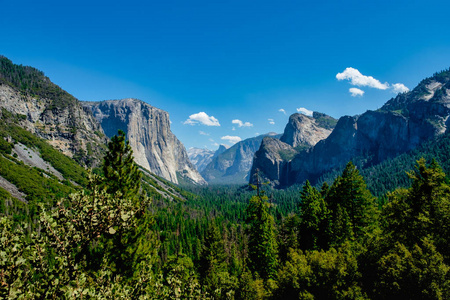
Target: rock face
304,131
272,160
155,147
233,165
399,126
50,112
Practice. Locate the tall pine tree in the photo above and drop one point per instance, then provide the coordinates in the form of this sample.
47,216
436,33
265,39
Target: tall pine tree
120,171
353,208
262,244
314,224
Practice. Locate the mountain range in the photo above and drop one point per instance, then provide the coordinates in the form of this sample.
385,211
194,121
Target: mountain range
401,125
310,147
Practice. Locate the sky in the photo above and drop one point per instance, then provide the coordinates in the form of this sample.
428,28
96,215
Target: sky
229,70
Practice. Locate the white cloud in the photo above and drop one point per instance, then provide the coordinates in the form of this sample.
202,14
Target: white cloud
242,124
356,92
203,133
202,118
399,88
282,110
358,79
231,139
305,111
271,121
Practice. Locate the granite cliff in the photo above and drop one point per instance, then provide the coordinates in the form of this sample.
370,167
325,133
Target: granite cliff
302,132
154,145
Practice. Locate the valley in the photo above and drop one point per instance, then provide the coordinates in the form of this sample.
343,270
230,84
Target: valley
328,209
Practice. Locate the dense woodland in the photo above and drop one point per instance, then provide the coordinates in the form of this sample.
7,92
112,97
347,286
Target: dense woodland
112,239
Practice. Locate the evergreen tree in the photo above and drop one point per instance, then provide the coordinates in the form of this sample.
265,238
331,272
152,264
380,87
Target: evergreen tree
120,171
422,210
262,244
212,258
314,224
353,208
213,265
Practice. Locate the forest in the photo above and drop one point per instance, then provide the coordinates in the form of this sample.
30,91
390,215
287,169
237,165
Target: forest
112,239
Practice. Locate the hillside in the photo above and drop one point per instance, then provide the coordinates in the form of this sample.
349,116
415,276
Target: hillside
51,113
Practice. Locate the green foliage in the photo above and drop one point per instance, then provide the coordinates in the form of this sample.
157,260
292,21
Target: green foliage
66,166
324,120
213,266
353,209
422,210
262,244
419,273
331,274
287,154
315,223
32,182
33,82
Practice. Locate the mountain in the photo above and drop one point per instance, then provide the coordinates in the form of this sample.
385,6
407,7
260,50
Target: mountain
233,165
302,132
154,145
401,125
51,113
199,157
202,157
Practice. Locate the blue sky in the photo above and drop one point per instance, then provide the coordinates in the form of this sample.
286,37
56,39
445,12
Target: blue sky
231,60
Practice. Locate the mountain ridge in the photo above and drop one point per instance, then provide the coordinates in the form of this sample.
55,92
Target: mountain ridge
401,125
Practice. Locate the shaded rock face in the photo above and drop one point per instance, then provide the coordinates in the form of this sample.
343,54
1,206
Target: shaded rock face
232,166
154,146
270,163
399,126
71,129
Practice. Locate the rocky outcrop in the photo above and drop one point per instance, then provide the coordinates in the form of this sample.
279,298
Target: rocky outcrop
399,126
303,131
155,147
272,162
233,165
68,128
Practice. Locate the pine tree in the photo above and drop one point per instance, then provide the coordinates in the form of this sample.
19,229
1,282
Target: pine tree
262,244
314,224
422,210
212,258
353,208
120,171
